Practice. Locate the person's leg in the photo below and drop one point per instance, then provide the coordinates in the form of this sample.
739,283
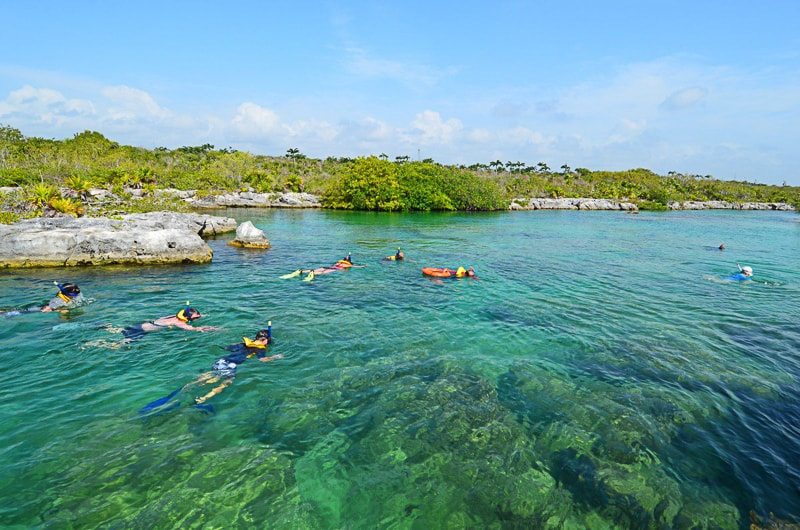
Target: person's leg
216,390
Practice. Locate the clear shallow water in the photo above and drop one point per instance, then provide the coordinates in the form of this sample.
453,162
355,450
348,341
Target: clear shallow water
598,375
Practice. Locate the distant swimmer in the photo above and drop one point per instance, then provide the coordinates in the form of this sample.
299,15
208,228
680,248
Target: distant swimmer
745,273
68,297
223,371
445,272
722,246
344,263
398,256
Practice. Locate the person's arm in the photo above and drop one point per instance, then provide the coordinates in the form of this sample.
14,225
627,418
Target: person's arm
188,327
271,358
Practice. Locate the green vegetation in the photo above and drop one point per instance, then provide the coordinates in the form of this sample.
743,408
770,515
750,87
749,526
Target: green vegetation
45,169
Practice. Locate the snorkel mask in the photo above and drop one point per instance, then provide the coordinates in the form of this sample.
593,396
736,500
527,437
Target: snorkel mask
67,291
261,335
188,313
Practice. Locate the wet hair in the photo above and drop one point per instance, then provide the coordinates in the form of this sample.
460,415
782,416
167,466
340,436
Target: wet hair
264,334
70,289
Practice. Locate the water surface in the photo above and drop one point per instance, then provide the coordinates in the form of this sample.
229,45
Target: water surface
598,375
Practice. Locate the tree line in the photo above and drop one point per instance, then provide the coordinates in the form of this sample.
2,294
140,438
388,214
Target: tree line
41,168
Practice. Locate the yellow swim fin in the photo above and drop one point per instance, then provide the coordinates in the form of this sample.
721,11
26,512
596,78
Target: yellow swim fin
310,277
294,274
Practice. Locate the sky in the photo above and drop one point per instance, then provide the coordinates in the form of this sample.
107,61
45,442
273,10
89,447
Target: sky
708,87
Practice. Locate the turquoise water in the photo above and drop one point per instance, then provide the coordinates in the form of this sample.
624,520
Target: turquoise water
598,375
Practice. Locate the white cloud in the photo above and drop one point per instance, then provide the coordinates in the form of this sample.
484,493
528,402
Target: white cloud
431,129
253,119
132,104
44,105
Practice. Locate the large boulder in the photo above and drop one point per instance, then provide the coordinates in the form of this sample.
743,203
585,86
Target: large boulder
248,236
153,238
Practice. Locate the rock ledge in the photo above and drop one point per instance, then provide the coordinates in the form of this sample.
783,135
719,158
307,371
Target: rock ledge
151,238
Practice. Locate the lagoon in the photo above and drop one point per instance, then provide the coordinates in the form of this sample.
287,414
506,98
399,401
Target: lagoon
599,374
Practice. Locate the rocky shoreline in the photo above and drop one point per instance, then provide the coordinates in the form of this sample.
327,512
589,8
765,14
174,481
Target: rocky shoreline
609,204
244,199
571,204
150,238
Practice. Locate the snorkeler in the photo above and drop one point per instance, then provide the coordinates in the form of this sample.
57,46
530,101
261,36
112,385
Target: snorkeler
745,273
223,371
445,272
68,297
398,256
182,320
344,263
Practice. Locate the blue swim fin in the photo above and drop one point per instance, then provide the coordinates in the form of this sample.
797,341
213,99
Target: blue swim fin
160,402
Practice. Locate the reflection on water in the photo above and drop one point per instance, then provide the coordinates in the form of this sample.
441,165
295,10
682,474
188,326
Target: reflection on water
590,379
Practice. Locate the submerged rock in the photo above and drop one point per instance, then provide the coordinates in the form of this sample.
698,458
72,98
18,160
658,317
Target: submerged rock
151,238
248,236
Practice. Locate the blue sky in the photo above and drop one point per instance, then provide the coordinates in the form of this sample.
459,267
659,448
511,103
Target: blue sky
700,87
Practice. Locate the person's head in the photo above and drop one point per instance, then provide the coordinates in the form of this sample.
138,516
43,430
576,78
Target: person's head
348,259
470,272
264,336
187,314
399,254
70,290
747,271
722,246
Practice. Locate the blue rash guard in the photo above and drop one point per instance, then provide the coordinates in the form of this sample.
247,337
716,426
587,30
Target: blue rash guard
739,277
226,366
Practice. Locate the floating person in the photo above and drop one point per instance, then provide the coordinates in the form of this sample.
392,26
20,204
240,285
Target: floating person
445,272
745,274
181,320
68,297
223,371
398,256
721,246
342,264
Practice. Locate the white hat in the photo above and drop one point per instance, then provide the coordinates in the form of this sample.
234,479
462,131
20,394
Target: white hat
748,271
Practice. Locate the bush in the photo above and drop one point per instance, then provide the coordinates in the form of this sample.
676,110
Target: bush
7,218
42,193
368,184
67,206
652,206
